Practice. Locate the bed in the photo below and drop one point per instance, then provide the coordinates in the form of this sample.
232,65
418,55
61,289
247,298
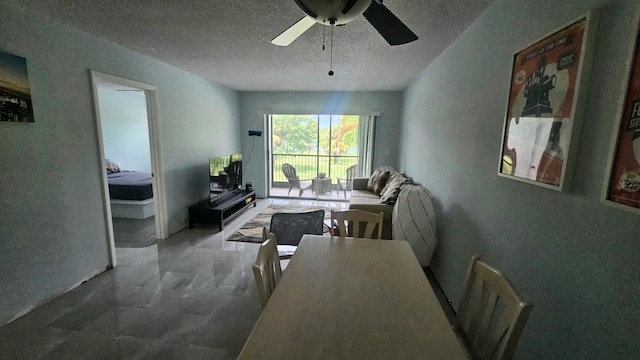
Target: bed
130,185
131,192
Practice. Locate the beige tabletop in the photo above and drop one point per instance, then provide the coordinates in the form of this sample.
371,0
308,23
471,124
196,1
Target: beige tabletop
345,298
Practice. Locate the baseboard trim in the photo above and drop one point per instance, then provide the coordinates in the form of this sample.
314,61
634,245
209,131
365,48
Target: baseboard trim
26,311
449,311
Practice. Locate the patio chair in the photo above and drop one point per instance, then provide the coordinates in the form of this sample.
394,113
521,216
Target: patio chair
234,172
294,180
345,184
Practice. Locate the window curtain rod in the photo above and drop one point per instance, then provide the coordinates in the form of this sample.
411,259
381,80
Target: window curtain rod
361,113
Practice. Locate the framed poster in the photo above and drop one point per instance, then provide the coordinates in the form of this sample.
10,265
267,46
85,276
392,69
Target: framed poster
15,94
622,185
546,100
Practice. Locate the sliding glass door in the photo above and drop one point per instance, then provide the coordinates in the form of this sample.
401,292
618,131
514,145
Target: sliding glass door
315,156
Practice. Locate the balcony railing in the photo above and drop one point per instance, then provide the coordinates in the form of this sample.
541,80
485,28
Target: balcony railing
308,166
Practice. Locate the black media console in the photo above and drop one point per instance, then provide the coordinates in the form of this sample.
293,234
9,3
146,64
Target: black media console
222,210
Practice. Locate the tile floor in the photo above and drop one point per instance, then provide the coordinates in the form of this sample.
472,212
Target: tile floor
129,233
191,296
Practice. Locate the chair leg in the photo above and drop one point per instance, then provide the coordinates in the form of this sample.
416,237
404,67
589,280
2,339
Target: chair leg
290,187
300,194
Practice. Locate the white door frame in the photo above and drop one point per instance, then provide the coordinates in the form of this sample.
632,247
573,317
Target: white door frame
159,201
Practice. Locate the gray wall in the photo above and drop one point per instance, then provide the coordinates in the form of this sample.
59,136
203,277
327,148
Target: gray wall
388,103
53,232
125,129
573,257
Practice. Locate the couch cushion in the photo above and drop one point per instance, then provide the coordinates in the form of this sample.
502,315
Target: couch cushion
363,194
359,183
372,205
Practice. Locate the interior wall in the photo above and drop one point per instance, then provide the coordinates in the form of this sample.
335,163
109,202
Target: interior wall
125,128
569,254
388,103
53,233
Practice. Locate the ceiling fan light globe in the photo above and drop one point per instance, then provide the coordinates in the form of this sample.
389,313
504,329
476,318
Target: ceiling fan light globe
324,10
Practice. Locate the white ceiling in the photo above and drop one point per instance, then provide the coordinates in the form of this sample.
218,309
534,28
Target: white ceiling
229,40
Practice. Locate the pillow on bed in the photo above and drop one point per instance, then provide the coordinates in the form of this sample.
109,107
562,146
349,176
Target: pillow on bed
112,167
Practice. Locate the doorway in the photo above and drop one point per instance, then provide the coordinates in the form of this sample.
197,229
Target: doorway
129,148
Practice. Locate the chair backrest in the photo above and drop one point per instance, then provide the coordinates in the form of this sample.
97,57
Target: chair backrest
234,171
351,172
291,174
358,223
289,227
491,315
266,270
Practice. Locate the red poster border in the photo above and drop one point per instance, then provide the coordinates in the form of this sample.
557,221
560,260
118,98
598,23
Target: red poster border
587,24
623,178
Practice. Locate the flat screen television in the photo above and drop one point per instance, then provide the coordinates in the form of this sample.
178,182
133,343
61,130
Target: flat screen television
225,174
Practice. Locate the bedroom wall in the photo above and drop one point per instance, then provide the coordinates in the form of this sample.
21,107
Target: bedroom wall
569,254
53,233
388,103
125,130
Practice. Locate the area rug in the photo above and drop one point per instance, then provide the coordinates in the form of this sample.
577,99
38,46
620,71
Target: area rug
252,230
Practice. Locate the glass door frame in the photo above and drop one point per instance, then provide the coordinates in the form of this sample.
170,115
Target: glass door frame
363,153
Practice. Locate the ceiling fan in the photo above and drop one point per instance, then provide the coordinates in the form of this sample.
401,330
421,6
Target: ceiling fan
340,12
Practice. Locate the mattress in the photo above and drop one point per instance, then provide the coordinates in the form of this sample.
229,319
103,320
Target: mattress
130,185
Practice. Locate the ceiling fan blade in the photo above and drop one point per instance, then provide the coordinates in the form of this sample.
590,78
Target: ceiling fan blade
348,6
388,25
293,32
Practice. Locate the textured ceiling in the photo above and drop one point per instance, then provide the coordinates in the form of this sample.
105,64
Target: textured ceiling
229,40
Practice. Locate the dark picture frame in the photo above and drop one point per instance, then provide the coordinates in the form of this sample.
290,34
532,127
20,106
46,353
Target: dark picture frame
15,93
622,182
545,105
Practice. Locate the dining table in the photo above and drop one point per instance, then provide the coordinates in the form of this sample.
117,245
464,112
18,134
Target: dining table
345,298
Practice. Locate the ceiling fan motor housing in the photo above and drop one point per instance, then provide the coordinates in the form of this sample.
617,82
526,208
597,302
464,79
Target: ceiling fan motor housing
342,11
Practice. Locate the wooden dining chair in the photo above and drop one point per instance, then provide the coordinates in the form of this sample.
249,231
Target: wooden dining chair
266,270
357,223
491,315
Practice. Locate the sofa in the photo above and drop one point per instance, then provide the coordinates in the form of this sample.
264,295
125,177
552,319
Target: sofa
378,193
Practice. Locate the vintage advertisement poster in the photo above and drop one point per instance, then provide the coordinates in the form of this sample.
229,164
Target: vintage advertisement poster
624,182
540,112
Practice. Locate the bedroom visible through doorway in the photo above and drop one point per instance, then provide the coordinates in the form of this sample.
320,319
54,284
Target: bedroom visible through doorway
129,147
125,135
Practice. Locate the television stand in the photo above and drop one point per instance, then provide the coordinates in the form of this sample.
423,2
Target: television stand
223,210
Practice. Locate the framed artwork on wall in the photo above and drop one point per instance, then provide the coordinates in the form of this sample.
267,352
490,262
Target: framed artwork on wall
622,183
15,93
545,105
